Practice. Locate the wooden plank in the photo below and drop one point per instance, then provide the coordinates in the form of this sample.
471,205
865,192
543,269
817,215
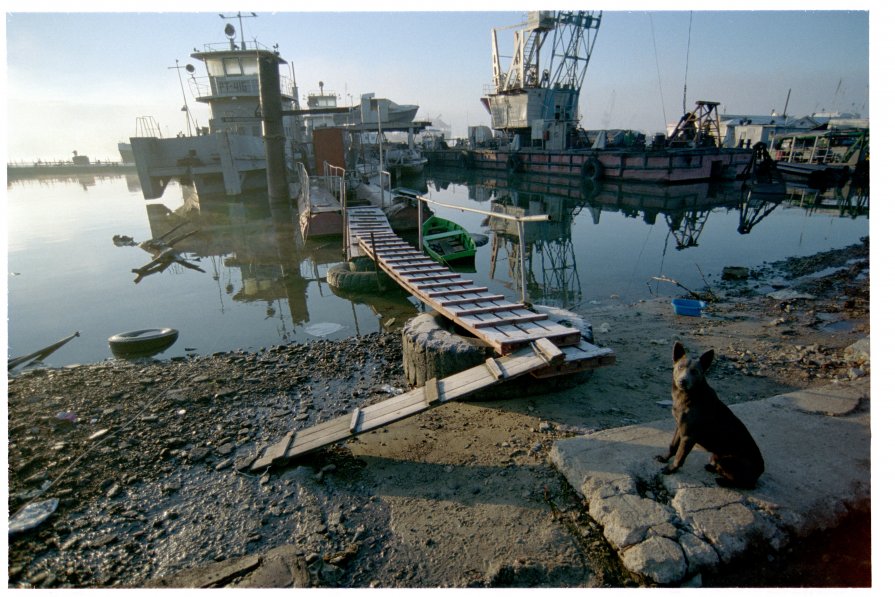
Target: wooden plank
494,368
489,309
355,419
428,285
410,258
435,277
549,351
381,244
381,235
482,298
449,292
397,254
274,453
495,321
427,269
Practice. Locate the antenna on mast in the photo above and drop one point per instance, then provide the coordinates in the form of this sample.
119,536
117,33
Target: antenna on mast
229,28
189,68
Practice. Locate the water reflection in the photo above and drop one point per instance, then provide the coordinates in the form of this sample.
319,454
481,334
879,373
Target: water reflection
242,237
84,179
550,269
261,285
255,254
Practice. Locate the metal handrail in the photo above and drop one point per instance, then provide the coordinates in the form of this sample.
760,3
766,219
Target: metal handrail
334,178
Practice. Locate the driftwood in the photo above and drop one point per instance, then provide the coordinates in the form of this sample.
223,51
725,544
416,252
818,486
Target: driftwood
162,262
40,354
708,295
164,255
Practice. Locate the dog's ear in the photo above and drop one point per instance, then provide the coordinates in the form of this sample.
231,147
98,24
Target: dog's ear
705,361
678,352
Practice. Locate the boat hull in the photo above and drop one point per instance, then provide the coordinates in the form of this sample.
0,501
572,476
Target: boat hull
216,164
662,166
447,242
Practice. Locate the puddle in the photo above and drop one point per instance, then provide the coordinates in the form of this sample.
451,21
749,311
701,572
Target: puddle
838,326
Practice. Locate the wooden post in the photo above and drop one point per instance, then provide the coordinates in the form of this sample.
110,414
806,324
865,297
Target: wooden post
520,226
419,223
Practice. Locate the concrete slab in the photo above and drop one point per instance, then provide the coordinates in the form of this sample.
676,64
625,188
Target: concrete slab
667,528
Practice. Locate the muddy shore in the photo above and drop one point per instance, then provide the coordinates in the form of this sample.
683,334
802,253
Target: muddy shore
140,455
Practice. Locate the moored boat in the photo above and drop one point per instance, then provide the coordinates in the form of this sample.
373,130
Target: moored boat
447,242
227,157
822,158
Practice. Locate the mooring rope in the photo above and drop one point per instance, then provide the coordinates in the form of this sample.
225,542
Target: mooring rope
658,72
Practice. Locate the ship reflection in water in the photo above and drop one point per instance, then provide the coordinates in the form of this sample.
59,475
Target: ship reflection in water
614,263
256,255
240,277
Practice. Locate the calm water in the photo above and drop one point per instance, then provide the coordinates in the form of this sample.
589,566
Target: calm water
260,287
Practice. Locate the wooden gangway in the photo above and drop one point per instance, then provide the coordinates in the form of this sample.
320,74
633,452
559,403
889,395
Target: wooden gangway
541,355
527,342
503,324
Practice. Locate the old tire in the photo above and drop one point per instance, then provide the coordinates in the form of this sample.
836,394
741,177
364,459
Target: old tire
142,342
432,349
592,170
359,276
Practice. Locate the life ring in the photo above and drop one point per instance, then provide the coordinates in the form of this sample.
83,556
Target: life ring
514,164
143,342
592,169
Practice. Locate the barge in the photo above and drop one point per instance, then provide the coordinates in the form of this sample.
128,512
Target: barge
535,113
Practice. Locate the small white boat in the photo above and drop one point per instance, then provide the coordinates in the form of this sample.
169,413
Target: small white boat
408,161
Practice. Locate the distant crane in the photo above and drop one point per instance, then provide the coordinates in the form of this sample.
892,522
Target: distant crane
541,106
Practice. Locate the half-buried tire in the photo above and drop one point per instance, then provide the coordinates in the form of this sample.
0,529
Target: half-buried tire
142,342
358,276
433,348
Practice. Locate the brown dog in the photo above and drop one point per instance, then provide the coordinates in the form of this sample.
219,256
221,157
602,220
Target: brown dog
703,419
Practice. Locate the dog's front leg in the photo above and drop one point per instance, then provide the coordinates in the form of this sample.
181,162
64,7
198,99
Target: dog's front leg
685,444
672,448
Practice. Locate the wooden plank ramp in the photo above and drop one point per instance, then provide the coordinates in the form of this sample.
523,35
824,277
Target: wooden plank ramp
539,355
503,324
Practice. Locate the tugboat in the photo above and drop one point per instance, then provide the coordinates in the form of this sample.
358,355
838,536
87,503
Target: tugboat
227,157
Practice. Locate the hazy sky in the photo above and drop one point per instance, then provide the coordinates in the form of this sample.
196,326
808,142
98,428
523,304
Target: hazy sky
78,80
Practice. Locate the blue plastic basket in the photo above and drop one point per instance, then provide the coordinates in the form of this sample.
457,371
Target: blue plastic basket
688,307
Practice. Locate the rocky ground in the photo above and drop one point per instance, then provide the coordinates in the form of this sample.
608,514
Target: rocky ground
141,455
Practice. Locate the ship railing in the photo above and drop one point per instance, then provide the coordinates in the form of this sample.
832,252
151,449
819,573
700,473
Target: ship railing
225,46
334,179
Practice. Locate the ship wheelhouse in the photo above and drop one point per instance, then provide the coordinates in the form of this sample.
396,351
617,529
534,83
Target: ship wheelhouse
231,87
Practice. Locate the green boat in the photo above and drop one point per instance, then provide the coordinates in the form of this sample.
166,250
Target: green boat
447,242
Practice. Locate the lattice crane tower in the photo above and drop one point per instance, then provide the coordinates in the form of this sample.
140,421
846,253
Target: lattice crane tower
541,106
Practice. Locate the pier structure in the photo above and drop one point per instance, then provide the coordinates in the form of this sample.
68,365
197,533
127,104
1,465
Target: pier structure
525,342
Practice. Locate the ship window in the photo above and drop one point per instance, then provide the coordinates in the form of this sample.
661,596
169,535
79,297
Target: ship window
250,67
215,68
232,67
